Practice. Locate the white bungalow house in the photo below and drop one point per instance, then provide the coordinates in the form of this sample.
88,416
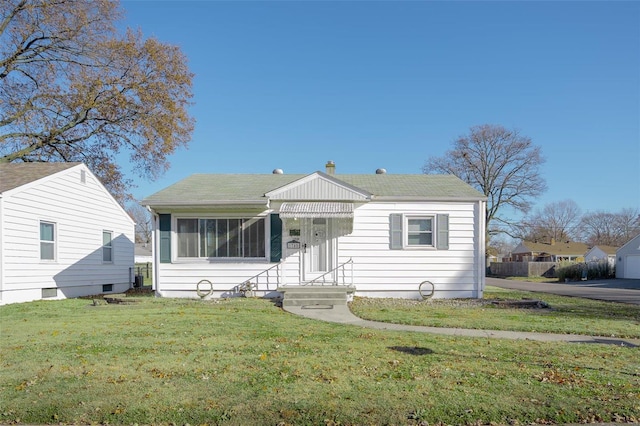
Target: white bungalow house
382,234
62,234
600,254
628,259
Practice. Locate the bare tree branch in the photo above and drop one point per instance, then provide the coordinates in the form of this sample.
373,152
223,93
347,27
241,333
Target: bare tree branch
502,164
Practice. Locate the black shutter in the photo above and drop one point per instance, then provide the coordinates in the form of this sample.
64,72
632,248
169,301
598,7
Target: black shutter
165,237
442,241
276,238
395,229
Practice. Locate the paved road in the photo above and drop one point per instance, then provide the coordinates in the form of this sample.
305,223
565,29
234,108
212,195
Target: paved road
614,290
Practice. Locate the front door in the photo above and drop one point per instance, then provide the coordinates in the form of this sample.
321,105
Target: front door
318,249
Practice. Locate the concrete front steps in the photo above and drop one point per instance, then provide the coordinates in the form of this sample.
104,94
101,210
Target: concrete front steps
315,296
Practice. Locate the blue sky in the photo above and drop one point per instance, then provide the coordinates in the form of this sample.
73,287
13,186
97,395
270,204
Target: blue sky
388,84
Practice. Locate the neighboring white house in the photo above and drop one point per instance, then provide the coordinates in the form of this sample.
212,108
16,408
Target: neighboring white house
62,234
143,253
601,253
628,259
382,233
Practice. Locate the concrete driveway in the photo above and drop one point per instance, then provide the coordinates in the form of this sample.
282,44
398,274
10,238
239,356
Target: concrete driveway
613,290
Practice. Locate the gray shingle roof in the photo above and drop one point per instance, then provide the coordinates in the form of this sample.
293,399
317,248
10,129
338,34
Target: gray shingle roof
13,175
217,188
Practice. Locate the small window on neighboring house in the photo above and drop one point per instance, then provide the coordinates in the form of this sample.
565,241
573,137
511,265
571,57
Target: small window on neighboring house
47,241
107,247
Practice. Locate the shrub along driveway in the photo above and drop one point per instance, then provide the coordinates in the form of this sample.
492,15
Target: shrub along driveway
614,290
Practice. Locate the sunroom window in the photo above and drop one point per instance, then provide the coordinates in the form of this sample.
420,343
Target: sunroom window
221,238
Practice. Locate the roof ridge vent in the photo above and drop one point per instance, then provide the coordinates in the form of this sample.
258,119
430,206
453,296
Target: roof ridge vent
381,171
278,172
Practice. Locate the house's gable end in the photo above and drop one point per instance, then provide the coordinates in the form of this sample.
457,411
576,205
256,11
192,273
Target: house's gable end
33,174
602,250
318,186
521,248
633,245
19,176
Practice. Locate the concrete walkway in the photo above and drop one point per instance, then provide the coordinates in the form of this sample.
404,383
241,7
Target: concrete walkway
343,315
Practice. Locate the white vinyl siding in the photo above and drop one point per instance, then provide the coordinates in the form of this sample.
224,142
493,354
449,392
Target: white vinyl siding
47,241
80,212
378,269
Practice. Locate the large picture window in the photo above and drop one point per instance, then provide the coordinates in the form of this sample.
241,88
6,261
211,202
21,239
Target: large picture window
221,238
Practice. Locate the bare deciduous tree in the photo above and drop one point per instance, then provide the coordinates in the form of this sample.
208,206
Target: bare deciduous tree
502,164
610,229
74,89
142,217
557,220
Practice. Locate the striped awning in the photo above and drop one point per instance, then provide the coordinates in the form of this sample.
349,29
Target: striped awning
316,209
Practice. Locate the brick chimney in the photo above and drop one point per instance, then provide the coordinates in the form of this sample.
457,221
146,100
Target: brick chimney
331,167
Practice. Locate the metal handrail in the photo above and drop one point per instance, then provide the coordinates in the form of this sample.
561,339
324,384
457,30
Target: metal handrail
344,279
249,286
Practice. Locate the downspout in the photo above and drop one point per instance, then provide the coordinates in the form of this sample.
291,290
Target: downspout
482,241
155,252
1,249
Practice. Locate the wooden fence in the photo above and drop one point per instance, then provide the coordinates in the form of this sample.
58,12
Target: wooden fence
524,269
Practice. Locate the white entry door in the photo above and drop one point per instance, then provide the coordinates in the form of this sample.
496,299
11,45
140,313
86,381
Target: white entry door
318,249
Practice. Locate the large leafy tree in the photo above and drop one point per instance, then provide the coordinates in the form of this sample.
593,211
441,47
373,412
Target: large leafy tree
73,88
503,164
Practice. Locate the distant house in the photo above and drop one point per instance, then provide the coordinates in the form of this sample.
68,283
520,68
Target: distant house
552,251
62,234
380,234
143,253
601,253
628,259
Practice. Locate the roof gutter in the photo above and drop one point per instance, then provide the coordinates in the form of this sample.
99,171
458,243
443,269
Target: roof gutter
418,198
206,203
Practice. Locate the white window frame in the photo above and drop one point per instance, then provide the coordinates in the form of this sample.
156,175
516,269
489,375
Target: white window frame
406,232
108,246
265,236
48,242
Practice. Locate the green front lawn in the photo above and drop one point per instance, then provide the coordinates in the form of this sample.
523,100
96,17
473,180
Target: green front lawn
247,362
565,314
